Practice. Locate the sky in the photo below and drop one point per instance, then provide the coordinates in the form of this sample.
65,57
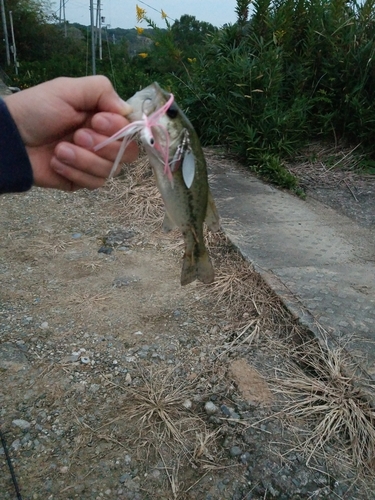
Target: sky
122,13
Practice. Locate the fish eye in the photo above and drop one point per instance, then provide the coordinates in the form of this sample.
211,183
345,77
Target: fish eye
172,111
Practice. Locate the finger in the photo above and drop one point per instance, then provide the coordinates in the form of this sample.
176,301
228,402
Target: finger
87,138
108,123
82,160
92,92
74,178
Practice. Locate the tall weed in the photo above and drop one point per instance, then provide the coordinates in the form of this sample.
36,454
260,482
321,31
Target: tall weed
288,71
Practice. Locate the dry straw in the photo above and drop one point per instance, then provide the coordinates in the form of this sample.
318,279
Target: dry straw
323,392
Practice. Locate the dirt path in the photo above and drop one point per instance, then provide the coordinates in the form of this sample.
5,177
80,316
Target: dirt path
117,383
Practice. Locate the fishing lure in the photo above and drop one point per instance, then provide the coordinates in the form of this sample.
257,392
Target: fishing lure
144,127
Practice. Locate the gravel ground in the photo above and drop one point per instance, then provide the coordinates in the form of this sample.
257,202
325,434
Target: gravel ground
117,383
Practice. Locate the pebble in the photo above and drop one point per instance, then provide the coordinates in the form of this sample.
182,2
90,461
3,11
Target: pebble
85,360
210,408
16,445
105,250
245,457
235,451
226,411
187,404
76,236
22,424
71,359
124,478
44,325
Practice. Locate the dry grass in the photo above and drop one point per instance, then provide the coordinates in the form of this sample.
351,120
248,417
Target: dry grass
238,290
327,165
50,245
136,196
161,406
87,301
323,392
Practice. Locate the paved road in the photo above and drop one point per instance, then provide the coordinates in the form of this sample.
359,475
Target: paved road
319,261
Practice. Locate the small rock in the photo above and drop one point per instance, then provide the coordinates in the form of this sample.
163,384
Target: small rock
138,333
210,408
187,404
245,458
226,411
105,250
76,236
71,359
44,325
26,438
64,469
124,478
235,451
128,379
125,281
85,360
16,445
22,424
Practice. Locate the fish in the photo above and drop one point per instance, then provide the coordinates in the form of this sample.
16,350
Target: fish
179,166
183,183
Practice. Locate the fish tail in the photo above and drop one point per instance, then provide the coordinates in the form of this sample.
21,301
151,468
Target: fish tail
199,267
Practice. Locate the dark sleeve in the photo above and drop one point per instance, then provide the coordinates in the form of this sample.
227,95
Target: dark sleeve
16,174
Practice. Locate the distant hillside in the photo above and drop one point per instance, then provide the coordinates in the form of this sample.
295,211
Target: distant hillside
136,43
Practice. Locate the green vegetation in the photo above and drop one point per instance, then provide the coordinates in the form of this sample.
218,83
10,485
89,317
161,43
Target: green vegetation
288,71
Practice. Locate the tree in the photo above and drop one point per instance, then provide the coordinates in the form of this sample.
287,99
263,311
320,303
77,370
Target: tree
189,34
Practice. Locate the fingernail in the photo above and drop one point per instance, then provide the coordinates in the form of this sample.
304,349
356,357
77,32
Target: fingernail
84,139
127,109
102,124
65,153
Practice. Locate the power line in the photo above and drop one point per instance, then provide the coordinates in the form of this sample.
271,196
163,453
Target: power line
156,10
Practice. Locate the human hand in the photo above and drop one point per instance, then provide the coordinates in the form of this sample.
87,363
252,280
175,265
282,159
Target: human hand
60,121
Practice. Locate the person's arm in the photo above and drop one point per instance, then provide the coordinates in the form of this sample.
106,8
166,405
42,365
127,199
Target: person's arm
15,169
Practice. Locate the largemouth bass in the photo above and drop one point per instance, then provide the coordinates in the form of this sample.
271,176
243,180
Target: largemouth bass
185,207
179,166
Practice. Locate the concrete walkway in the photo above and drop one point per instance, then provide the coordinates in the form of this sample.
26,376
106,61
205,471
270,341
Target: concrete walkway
320,262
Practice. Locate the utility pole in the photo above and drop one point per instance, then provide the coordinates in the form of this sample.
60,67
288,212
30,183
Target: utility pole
14,50
101,19
5,30
92,37
65,31
99,28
